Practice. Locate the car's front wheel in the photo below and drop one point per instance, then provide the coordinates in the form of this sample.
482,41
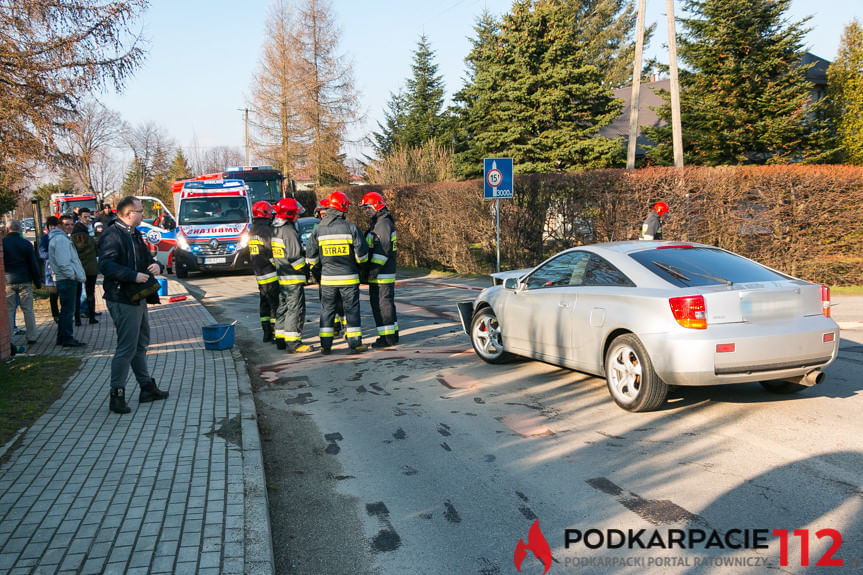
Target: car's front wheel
629,374
486,338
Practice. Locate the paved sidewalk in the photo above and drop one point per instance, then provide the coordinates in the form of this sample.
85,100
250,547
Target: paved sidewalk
176,486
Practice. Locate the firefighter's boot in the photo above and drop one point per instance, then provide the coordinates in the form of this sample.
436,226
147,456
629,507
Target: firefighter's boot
268,331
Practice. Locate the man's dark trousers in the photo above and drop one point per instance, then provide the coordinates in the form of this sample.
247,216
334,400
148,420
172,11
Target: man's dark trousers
133,337
67,290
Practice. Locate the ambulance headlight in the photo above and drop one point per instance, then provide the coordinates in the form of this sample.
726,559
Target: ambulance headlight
182,243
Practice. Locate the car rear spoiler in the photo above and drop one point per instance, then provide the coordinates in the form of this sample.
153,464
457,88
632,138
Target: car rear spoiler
465,313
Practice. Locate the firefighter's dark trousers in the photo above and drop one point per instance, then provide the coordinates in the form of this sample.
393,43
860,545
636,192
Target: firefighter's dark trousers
291,314
339,321
350,296
268,307
382,299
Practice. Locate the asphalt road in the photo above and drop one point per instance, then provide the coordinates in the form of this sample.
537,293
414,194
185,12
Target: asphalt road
423,459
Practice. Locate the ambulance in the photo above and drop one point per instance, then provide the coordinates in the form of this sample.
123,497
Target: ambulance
211,229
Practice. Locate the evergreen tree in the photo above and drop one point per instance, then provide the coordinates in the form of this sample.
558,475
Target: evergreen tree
414,115
386,141
535,94
180,169
744,95
845,89
424,98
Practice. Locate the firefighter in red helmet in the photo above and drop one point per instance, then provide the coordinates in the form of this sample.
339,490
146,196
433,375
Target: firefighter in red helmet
651,229
338,246
291,269
381,239
339,321
260,237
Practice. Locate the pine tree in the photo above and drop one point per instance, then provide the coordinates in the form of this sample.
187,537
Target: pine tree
180,169
415,115
845,89
534,93
744,95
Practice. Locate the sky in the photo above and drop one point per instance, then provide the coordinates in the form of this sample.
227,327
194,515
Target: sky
203,55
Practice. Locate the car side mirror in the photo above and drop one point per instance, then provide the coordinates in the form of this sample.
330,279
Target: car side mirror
169,223
510,283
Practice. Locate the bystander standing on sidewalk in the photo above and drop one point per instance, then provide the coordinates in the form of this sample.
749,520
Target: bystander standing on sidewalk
125,262
51,223
85,244
22,273
68,272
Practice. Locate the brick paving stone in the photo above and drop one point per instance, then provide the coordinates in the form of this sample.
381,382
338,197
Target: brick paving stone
155,491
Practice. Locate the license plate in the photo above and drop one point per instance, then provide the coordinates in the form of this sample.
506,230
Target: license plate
211,261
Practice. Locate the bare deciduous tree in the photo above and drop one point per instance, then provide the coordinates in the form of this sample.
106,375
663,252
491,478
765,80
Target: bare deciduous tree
304,95
51,54
86,142
152,149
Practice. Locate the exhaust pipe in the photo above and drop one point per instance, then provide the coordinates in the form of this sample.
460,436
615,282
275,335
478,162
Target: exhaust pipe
809,379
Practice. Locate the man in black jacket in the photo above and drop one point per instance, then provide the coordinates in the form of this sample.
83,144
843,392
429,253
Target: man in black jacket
125,261
22,273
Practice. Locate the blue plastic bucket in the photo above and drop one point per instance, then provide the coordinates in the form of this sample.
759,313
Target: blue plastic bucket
163,286
218,335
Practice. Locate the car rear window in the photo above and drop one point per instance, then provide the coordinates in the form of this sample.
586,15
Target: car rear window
699,266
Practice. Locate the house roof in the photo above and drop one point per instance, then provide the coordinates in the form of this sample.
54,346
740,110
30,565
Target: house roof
649,97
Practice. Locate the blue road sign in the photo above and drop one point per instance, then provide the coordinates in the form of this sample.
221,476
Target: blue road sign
498,178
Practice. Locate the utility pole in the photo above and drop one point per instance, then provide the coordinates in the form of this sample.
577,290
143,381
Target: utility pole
246,110
676,136
636,88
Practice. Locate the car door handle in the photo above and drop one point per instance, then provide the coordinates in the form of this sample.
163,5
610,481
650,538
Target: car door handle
562,304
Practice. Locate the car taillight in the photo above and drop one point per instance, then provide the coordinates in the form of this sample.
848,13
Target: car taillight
825,301
689,311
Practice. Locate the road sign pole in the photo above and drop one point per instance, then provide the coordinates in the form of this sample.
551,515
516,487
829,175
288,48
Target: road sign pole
497,212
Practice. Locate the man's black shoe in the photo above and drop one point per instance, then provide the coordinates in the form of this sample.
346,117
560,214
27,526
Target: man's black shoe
94,320
118,401
325,351
73,343
31,341
149,392
358,349
78,321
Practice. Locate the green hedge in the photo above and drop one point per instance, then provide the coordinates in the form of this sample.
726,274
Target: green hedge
803,220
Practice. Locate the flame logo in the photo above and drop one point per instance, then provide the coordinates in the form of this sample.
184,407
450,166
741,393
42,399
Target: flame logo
535,542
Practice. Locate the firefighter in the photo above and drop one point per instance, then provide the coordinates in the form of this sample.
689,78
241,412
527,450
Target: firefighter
651,229
260,237
381,239
339,247
291,268
339,320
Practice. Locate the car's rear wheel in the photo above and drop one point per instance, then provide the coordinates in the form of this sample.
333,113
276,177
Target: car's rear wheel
486,338
182,272
629,374
782,387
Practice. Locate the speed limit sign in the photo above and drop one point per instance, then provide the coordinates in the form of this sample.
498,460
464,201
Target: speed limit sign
494,178
498,178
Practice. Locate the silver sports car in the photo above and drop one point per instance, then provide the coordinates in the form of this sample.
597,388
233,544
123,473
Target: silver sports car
649,314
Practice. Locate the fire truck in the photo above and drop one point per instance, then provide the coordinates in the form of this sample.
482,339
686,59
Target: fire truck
65,203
